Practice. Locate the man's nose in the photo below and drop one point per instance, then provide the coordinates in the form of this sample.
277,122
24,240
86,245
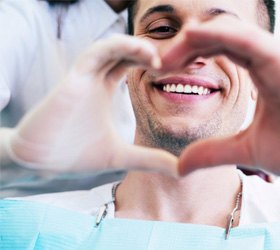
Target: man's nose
198,63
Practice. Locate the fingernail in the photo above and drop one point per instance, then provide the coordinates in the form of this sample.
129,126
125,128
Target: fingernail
156,62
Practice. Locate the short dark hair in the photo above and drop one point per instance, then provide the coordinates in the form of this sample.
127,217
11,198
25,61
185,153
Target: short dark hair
268,4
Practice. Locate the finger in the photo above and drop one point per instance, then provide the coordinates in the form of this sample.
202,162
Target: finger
147,159
214,152
245,43
243,39
138,53
119,70
106,55
5,138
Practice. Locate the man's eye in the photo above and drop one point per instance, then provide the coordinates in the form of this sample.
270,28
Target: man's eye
162,29
162,32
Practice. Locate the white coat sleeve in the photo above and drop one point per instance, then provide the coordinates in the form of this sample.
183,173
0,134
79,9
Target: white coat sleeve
17,44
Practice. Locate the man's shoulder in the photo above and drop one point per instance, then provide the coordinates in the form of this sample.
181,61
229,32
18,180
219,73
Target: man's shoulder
83,201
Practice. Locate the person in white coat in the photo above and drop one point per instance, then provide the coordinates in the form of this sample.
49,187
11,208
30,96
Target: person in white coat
40,41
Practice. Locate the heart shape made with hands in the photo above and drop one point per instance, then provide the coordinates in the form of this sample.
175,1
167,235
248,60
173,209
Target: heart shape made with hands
256,50
72,130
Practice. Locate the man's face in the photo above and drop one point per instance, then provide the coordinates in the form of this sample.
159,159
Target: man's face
208,98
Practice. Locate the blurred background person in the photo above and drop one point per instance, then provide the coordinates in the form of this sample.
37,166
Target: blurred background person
40,40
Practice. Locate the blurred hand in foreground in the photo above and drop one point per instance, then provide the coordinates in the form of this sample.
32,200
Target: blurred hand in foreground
72,129
259,52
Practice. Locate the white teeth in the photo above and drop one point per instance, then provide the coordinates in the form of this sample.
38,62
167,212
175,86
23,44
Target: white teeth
200,90
173,88
180,88
195,89
187,89
168,88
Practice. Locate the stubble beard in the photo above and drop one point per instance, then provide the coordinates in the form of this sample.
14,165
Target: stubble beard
158,136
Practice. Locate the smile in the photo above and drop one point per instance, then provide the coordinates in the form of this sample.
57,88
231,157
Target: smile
187,86
185,89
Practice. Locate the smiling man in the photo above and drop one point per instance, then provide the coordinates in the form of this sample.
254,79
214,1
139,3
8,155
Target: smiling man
208,96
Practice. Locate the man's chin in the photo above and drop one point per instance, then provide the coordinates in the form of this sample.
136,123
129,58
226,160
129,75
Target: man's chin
174,142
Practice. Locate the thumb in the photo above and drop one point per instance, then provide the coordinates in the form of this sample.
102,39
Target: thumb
148,159
214,152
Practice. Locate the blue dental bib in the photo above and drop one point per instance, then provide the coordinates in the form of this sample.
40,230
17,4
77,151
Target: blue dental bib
29,225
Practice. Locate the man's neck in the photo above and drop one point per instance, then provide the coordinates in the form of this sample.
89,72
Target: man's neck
118,5
203,197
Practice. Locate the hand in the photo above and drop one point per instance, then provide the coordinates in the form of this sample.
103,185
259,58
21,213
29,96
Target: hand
259,52
72,129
